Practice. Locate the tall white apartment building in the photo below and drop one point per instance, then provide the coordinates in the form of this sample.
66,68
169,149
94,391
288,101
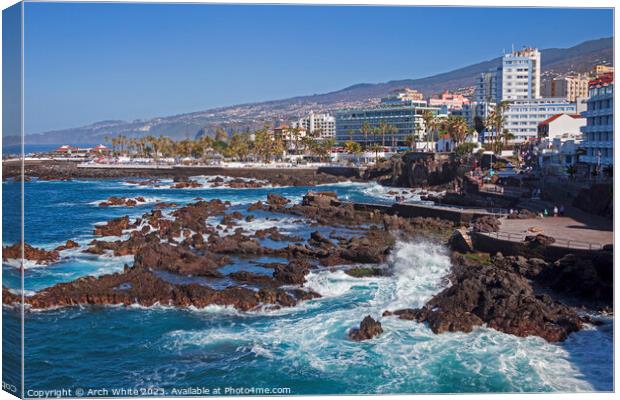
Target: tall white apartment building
323,124
599,130
521,75
522,116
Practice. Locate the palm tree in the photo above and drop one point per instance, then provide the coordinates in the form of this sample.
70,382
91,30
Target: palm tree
382,129
430,124
365,130
506,136
375,133
393,130
352,147
376,147
411,140
458,128
495,122
296,133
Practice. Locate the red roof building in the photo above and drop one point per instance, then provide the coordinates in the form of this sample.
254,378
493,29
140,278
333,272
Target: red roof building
562,126
66,149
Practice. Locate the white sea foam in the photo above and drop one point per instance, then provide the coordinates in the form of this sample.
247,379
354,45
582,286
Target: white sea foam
28,264
419,269
409,354
285,225
333,284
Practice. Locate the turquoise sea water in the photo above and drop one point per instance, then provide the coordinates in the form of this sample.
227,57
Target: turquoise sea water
304,348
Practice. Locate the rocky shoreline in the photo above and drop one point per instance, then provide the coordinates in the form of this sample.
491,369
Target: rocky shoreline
243,177
514,295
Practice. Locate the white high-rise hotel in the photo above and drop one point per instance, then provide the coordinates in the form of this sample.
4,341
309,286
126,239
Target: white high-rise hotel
520,85
323,125
521,75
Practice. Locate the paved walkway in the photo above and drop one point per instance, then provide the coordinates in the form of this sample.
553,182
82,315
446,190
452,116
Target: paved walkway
567,231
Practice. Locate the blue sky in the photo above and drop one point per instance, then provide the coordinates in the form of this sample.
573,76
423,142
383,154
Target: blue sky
92,62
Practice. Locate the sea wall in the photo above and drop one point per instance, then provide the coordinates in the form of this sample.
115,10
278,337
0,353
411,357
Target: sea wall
492,245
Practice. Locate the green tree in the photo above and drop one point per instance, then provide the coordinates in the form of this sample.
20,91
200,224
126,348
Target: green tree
352,147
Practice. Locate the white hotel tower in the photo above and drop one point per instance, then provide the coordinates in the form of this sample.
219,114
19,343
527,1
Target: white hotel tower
521,74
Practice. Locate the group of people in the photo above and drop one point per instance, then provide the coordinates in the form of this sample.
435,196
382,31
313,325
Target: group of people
557,211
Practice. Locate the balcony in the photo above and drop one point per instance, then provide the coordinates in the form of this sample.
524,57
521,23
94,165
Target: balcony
597,144
599,112
597,128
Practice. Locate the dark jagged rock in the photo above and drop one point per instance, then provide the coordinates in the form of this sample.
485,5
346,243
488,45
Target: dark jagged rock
415,169
165,257
486,224
230,219
252,278
368,329
160,206
256,206
189,184
122,248
70,244
41,256
501,298
277,200
522,214
139,286
373,247
114,227
274,234
417,225
122,201
234,244
294,273
539,240
587,277
194,216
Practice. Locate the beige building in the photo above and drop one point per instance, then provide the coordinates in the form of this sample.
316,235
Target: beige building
406,94
568,87
599,70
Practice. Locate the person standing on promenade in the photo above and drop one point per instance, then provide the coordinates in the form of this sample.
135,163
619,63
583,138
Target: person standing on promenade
555,211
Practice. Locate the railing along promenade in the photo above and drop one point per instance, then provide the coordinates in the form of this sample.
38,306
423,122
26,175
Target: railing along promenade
559,242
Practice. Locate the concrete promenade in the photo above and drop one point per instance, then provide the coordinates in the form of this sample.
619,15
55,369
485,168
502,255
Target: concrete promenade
567,231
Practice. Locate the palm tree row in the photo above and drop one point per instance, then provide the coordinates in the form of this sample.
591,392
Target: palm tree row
454,126
261,145
495,123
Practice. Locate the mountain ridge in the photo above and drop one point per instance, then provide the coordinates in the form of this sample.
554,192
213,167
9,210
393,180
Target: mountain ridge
578,58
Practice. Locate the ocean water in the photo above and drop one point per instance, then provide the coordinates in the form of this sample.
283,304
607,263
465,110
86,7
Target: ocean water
304,349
